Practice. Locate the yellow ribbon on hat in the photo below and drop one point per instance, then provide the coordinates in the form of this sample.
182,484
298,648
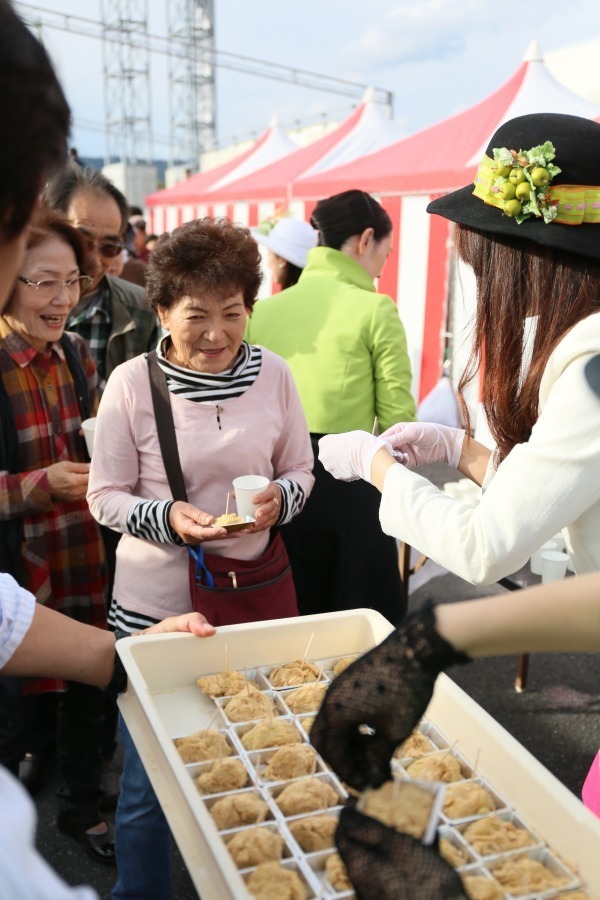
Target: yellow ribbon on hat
576,204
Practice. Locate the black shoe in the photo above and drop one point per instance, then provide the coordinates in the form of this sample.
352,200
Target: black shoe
109,786
34,770
100,847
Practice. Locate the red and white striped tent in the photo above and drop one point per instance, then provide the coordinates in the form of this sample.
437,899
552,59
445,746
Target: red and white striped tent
408,174
173,206
248,195
366,130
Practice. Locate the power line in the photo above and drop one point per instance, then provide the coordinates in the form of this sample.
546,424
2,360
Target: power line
224,59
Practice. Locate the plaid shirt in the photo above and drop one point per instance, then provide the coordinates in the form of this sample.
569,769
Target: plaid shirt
63,554
93,323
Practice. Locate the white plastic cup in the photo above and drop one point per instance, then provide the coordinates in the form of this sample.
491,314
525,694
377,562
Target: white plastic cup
246,488
559,541
535,563
89,427
554,565
570,566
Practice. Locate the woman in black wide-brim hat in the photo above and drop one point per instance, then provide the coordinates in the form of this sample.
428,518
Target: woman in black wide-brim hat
529,228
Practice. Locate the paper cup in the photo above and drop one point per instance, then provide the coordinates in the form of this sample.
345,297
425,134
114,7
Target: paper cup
535,563
246,488
89,427
554,565
559,541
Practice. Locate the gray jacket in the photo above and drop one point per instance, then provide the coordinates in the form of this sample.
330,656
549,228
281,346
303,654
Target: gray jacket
134,326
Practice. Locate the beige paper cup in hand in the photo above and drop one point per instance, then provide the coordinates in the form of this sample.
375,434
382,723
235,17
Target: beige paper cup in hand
554,565
246,488
89,427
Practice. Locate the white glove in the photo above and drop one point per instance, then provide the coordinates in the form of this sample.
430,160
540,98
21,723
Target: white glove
424,442
348,456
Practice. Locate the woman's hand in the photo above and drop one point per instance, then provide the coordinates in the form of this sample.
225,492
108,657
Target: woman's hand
192,623
193,525
268,508
68,480
388,689
348,456
417,443
384,864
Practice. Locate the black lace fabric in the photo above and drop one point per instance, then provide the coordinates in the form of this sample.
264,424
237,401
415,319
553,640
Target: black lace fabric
385,865
388,690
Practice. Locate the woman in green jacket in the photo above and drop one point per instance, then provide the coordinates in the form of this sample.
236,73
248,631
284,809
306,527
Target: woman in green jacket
346,347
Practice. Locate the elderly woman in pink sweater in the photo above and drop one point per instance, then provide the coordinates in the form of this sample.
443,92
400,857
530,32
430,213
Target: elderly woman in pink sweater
236,411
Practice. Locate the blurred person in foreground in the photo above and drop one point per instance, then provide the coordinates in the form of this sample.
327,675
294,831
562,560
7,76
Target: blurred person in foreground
537,271
389,689
35,640
346,347
236,411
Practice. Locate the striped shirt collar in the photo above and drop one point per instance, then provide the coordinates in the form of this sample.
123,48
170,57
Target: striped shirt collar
203,379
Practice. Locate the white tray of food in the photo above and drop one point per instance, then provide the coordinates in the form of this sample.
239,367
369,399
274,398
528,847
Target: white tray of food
163,704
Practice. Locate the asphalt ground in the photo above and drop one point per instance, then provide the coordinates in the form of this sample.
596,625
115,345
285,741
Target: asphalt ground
557,719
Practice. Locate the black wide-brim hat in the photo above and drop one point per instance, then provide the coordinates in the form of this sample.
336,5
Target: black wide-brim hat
577,148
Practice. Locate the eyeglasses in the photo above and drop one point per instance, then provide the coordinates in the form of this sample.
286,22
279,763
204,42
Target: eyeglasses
52,286
108,249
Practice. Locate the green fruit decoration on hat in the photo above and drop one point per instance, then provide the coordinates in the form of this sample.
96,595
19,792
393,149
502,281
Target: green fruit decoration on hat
517,175
540,176
513,208
508,191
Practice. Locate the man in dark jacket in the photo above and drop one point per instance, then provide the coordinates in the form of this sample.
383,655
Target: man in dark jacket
112,314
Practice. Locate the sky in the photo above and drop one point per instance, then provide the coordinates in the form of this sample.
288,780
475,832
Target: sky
436,56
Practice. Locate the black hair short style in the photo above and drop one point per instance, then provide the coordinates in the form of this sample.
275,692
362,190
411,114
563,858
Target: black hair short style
344,215
204,258
66,183
34,121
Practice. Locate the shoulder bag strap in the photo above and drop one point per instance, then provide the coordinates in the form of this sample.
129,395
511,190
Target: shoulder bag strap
165,427
167,439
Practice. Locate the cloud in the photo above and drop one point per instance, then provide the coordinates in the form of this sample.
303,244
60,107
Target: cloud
416,32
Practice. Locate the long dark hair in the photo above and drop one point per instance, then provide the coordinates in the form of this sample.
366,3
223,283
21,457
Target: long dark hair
341,216
516,279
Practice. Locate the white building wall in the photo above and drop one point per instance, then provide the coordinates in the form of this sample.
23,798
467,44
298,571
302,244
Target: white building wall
136,182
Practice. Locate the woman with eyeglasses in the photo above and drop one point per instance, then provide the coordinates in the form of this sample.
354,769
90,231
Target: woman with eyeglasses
48,538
